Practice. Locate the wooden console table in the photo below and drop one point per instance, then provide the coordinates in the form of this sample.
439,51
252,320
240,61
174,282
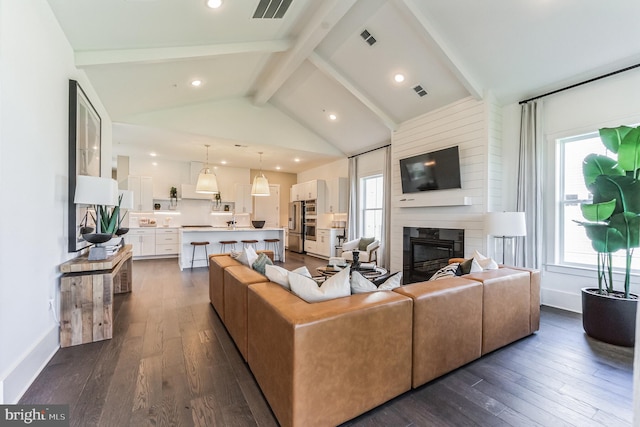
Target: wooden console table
86,296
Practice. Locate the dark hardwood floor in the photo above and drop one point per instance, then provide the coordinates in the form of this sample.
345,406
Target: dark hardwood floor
172,363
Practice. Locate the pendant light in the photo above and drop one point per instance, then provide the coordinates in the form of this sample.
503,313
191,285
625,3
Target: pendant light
207,181
260,184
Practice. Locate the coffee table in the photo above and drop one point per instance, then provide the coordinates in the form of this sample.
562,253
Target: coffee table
368,273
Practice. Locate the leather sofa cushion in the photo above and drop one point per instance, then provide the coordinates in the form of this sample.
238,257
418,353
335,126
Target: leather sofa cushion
447,325
236,281
217,264
325,363
507,301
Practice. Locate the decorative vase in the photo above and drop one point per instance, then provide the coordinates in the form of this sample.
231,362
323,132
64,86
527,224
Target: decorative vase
356,260
609,319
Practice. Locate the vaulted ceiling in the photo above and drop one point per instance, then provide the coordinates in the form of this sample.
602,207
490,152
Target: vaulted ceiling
270,84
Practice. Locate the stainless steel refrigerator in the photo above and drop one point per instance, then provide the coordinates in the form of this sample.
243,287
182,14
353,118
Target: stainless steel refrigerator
296,227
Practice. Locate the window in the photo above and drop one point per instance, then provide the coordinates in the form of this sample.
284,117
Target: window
372,202
574,245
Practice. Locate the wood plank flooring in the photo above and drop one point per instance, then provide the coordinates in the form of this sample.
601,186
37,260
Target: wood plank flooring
172,363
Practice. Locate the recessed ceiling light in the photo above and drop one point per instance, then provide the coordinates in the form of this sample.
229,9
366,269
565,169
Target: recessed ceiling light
333,117
296,160
399,78
152,154
278,168
224,162
214,4
154,163
196,83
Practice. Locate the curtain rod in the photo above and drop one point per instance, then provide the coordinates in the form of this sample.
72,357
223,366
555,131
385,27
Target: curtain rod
580,84
368,151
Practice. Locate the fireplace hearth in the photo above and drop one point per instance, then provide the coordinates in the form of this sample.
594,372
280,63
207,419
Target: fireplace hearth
426,250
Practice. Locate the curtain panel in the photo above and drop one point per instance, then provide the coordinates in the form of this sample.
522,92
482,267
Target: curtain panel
529,190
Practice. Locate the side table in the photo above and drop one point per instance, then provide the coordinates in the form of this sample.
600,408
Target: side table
86,296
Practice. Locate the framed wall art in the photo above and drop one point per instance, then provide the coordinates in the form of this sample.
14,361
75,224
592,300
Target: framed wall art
84,156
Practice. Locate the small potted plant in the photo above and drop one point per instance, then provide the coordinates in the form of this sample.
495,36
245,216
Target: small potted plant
613,224
173,197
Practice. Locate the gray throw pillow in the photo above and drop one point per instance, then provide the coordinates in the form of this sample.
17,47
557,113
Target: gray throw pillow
260,264
364,242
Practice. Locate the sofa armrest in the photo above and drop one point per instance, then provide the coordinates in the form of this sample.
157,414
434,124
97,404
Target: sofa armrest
325,363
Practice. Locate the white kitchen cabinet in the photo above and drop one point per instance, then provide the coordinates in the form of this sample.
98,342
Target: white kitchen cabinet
310,190
243,202
323,242
310,246
167,241
337,197
297,192
143,241
142,188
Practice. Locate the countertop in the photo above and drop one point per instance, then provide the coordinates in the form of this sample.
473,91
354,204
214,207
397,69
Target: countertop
201,229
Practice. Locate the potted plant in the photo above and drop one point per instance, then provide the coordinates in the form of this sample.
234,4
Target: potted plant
173,196
613,224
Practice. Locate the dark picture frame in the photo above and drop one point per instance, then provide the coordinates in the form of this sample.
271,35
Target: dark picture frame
85,144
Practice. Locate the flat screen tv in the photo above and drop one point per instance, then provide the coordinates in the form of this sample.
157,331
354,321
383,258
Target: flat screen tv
437,170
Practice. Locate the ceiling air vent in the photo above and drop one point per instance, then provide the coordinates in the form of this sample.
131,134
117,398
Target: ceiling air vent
420,90
366,35
271,9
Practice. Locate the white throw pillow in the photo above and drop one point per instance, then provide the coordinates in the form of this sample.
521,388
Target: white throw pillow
248,256
280,275
336,286
303,271
475,266
485,262
361,285
277,275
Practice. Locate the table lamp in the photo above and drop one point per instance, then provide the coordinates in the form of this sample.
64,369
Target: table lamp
96,191
506,226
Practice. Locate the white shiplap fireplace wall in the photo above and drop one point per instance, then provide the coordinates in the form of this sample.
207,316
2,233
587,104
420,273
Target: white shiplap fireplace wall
476,128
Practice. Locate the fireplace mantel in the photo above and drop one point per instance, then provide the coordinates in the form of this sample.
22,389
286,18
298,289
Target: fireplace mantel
424,200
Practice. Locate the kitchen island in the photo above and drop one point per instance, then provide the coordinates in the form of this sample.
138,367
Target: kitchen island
214,235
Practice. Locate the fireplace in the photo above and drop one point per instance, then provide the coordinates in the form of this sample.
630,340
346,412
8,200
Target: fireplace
426,250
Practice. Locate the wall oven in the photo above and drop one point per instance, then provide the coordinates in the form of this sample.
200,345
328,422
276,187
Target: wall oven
310,208
310,229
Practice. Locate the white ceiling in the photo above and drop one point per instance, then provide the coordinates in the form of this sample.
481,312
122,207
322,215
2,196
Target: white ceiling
269,84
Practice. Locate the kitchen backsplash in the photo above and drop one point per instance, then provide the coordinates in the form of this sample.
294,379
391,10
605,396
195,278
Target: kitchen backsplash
188,212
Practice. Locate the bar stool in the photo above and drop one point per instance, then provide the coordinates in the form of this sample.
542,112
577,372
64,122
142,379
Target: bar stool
276,247
193,252
246,243
225,243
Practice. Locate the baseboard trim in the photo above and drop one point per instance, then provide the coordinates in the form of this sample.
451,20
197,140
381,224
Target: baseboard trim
563,300
20,377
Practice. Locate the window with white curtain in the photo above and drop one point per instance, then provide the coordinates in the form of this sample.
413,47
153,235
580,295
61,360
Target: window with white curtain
372,192
574,247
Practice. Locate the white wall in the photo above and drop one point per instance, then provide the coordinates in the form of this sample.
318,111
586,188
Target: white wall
471,125
171,173
36,63
326,172
609,102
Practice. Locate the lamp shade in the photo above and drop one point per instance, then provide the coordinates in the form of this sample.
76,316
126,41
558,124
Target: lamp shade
207,183
93,190
508,224
260,186
127,199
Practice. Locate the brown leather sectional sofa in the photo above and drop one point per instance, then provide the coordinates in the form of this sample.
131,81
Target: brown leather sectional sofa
325,363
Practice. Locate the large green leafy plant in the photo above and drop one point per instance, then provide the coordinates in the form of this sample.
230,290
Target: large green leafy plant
613,221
